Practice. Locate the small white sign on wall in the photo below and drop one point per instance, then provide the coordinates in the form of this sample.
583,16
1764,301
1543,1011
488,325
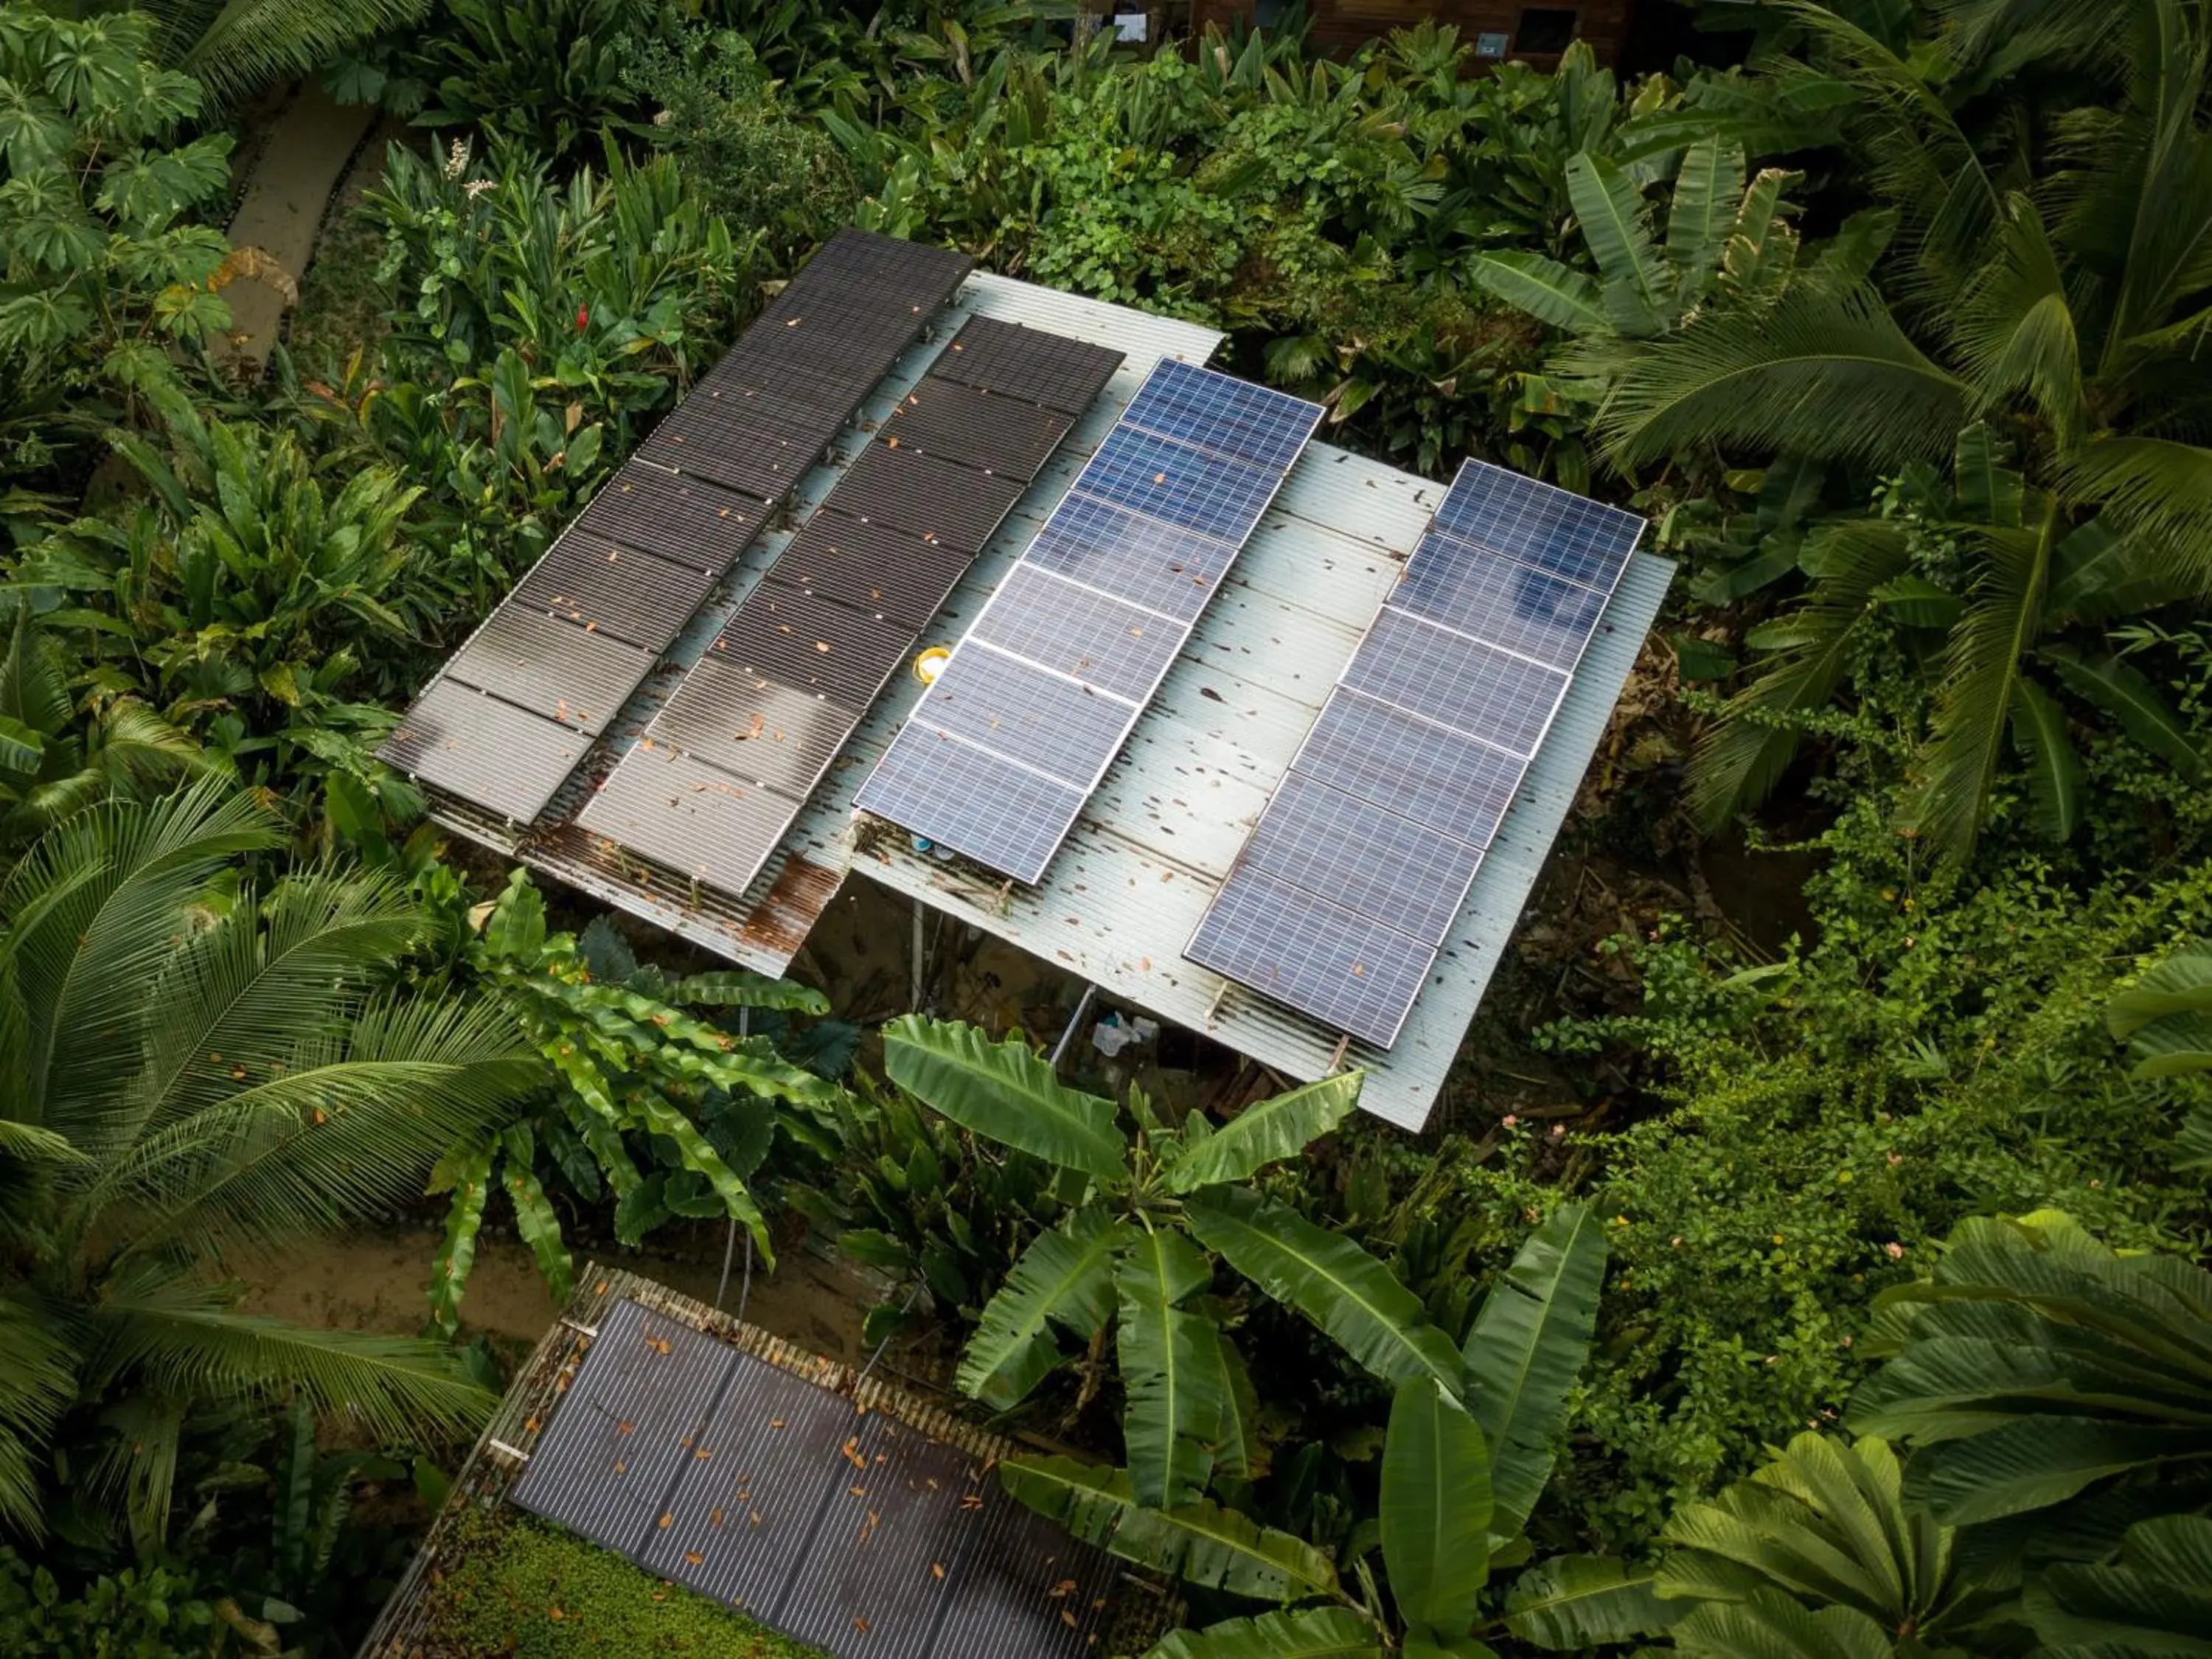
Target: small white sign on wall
1491,45
1128,26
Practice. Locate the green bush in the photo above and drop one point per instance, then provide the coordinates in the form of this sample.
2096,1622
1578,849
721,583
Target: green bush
548,73
508,1588
152,1612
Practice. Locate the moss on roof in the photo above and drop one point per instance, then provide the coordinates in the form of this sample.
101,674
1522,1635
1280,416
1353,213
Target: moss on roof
509,1587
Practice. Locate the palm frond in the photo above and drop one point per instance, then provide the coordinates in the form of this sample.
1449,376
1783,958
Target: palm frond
131,877
250,46
2015,327
184,1338
1959,765
350,1128
1817,372
37,1382
2159,493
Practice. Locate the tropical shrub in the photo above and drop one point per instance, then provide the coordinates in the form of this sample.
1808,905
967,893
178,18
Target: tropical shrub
108,286
53,760
239,48
752,163
547,73
260,606
637,1078
200,1061
151,1613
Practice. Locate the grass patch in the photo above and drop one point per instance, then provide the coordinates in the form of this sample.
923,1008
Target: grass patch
511,1588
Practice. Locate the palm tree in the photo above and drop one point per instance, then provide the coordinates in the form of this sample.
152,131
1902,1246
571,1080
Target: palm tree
2039,331
195,1062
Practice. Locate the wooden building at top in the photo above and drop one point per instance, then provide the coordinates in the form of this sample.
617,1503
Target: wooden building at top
1496,29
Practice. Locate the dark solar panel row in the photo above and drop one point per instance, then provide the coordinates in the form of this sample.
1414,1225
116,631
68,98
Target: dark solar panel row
727,766
846,1529
1349,885
1007,744
585,626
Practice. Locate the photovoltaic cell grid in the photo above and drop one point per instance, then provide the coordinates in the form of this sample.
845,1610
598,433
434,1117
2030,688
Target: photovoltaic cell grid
1342,897
1005,748
729,763
567,648
750,1486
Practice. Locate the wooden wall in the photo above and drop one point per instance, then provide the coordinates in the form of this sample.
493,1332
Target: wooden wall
1339,26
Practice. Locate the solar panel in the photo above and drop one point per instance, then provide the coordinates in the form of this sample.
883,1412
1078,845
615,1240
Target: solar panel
1053,677
956,423
680,519
754,728
1401,763
1180,484
1132,558
1380,825
1231,417
950,506
631,596
695,818
875,569
1027,364
1354,973
551,667
778,693
1075,630
1554,530
973,800
1456,681
582,631
472,745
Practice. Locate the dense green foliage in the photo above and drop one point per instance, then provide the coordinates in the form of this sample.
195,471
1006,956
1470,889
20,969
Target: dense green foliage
1894,332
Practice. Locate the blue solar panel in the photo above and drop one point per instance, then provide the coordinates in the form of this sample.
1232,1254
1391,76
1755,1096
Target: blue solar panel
1231,417
1402,782
1046,688
1501,600
1568,535
1179,484
1457,681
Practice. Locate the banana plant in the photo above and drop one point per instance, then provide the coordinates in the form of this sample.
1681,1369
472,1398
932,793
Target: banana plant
1132,1261
1461,1470
631,1068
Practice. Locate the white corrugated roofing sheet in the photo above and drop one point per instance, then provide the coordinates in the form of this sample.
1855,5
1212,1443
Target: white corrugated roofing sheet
1121,901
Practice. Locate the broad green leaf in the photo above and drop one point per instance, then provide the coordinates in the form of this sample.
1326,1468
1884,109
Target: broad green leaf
1434,1644
1278,1127
736,988
1065,1277
515,928
2032,1463
1004,1092
535,1219
1314,1634
1526,1347
2118,689
1435,1519
1171,1374
2054,770
1547,290
1327,1278
1611,214
22,749
702,1160
1772,1625
1576,1601
1202,1542
2156,1600
2182,984
1243,1454
1707,190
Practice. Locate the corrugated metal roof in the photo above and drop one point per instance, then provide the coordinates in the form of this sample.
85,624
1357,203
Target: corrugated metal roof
1119,902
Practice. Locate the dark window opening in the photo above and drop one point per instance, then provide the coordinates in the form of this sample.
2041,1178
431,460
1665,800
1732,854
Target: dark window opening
1545,28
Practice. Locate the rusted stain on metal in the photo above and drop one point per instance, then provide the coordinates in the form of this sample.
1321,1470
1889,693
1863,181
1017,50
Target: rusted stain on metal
794,901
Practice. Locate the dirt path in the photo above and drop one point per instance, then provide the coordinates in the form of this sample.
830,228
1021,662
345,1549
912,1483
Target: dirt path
282,211
377,1282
